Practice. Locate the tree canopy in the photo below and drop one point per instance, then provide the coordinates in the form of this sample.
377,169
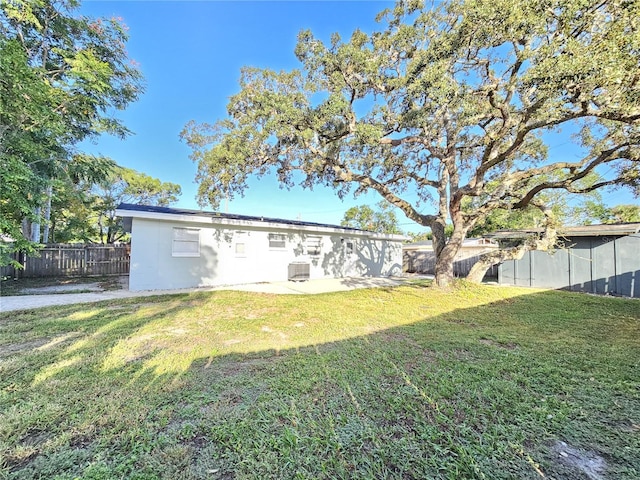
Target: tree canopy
381,220
63,76
125,185
597,212
447,105
83,209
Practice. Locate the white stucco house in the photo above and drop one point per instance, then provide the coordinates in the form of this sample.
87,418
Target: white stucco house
177,248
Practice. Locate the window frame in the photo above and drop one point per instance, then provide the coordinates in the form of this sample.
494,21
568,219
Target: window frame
271,239
349,246
175,240
240,238
317,242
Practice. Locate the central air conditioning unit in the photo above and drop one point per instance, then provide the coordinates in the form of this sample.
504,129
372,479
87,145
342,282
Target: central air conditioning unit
299,271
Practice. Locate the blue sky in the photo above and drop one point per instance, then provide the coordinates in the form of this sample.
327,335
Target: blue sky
191,54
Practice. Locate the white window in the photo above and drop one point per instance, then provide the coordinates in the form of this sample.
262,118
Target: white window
313,245
277,240
349,247
240,242
186,242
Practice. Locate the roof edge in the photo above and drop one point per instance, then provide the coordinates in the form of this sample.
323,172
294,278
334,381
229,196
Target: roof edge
603,229
202,216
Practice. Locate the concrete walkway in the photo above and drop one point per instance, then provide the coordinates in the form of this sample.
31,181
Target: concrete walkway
310,287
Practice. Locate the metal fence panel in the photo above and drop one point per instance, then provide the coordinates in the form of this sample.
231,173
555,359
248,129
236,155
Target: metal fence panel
628,266
580,265
507,272
522,273
552,272
603,265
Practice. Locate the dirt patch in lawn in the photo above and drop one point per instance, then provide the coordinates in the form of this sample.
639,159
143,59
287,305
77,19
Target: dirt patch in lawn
12,349
48,286
77,288
589,463
40,344
493,343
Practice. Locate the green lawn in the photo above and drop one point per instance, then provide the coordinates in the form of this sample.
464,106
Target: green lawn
408,382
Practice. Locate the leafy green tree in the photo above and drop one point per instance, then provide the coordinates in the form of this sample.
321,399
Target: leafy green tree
62,78
83,208
625,213
382,220
593,211
73,205
597,212
73,216
419,237
555,210
427,235
125,185
29,132
449,103
500,219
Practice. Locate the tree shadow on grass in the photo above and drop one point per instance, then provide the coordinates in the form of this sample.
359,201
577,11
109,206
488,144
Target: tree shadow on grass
400,385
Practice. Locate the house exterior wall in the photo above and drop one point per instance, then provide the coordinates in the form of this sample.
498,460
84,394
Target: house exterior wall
597,264
221,261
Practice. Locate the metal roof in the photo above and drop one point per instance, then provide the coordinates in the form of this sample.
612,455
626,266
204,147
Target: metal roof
600,230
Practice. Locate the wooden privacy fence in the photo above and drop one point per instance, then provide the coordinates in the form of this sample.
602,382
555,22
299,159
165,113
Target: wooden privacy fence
62,260
425,262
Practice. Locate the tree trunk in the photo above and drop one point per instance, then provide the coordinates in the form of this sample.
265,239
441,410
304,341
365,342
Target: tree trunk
35,227
101,228
444,261
47,215
489,259
444,272
446,251
444,268
26,229
438,236
52,232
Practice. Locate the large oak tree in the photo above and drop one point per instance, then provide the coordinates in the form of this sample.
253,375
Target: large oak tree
453,103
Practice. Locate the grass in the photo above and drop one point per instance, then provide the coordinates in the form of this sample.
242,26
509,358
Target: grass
409,382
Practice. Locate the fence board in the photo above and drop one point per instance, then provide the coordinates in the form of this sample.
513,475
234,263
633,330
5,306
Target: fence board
62,260
594,264
425,262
